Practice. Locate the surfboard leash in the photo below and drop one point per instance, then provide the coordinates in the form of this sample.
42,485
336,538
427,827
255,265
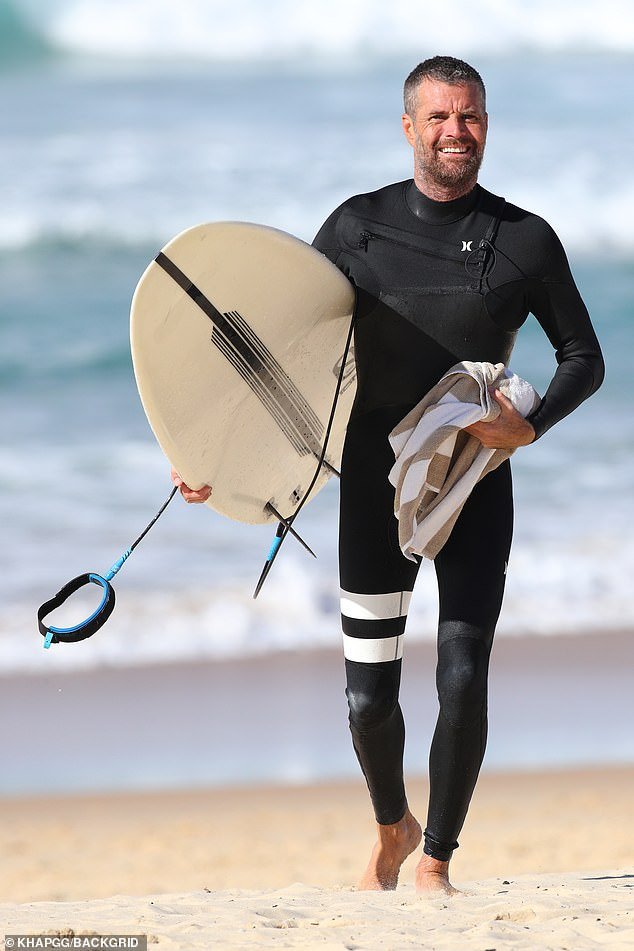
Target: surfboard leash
91,624
285,525
96,620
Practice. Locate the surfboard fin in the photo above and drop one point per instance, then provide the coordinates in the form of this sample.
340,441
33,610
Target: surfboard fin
277,541
331,469
284,527
286,524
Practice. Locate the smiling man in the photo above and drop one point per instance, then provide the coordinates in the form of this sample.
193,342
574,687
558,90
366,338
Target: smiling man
445,271
446,125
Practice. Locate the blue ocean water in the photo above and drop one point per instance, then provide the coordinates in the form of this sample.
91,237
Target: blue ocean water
125,123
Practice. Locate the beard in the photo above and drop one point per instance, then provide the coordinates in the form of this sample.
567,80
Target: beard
447,174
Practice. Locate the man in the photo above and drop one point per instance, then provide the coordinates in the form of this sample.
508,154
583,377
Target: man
445,271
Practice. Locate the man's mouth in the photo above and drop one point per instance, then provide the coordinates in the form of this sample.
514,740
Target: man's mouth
454,149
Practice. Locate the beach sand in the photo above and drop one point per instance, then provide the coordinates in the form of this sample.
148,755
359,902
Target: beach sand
569,912
222,868
546,857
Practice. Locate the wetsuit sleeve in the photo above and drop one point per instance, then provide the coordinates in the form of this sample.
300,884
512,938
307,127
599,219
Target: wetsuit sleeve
557,305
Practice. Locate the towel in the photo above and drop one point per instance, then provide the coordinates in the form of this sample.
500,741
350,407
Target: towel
437,464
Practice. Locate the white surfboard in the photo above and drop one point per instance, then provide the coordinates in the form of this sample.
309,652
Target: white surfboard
238,333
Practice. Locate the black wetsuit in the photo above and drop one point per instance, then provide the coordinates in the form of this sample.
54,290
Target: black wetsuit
437,283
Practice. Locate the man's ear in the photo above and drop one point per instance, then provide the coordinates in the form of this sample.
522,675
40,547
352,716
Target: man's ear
408,128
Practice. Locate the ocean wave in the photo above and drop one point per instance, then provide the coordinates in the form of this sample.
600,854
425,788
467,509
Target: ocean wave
551,590
132,160
77,363
283,29
21,37
588,220
72,504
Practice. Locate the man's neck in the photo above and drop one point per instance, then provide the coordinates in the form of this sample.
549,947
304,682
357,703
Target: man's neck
444,192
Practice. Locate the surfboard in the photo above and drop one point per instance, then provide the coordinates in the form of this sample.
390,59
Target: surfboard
238,333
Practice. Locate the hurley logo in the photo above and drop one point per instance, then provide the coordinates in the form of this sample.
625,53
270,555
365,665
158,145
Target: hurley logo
466,245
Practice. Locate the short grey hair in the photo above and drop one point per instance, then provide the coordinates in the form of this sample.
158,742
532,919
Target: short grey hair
444,69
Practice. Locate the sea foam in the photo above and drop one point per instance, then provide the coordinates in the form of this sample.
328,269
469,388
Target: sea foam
247,29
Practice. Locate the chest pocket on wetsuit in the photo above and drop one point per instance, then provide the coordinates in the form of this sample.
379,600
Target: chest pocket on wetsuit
432,284
403,261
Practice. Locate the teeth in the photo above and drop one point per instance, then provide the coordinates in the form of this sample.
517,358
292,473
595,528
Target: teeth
458,151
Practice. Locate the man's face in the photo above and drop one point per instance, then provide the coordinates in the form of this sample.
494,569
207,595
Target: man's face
448,133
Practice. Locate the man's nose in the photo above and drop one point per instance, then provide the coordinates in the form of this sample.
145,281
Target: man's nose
454,125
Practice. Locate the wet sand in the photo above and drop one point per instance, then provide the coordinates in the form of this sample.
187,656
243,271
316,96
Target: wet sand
553,701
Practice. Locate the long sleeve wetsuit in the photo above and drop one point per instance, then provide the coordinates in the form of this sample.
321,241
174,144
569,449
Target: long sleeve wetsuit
437,283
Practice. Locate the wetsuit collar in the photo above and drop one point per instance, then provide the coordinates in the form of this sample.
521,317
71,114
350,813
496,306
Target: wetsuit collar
439,212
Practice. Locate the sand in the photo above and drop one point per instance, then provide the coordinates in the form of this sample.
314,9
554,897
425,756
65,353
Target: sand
545,862
571,912
546,857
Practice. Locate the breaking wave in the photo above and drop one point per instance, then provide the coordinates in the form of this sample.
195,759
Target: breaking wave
283,29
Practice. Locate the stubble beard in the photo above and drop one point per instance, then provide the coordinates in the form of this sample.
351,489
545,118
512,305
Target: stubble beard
453,175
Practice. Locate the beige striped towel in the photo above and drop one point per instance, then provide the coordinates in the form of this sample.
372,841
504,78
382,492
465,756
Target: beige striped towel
437,465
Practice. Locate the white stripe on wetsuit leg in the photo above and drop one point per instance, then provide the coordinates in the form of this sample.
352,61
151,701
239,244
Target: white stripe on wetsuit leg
372,650
370,608
375,607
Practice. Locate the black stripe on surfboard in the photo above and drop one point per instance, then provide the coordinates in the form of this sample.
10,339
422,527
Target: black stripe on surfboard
257,367
268,358
264,395
263,375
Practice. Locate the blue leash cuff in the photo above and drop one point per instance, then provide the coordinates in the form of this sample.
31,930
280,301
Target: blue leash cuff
84,629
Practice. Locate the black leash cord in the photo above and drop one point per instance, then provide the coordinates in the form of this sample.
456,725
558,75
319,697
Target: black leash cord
285,527
91,624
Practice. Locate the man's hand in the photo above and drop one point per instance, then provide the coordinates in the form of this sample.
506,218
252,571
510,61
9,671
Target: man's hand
508,431
190,495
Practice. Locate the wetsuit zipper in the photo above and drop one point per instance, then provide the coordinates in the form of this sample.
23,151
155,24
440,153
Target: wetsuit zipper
367,236
475,283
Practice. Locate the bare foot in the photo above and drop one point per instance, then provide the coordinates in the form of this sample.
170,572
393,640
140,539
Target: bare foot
432,877
395,843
